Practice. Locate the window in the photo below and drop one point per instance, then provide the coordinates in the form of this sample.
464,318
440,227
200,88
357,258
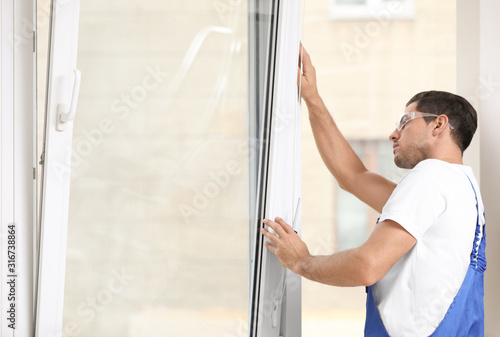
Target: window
158,210
161,164
161,170
17,169
354,219
379,10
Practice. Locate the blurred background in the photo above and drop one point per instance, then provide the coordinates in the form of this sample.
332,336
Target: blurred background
158,236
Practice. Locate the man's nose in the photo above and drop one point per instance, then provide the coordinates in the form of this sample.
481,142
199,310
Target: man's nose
394,135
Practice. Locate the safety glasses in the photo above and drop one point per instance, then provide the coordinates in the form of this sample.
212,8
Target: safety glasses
409,116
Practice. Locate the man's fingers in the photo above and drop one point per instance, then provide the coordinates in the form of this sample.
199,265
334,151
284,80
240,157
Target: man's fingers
304,56
272,237
288,229
307,67
271,248
302,52
308,71
278,228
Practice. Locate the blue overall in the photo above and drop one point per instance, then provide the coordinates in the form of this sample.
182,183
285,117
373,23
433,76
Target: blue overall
465,316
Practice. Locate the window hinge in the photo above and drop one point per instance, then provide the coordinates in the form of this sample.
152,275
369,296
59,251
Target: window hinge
42,158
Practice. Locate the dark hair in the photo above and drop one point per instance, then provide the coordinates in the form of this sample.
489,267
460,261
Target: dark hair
461,115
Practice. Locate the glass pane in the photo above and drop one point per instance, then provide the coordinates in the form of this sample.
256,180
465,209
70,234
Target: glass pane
158,224
261,21
42,46
352,214
354,219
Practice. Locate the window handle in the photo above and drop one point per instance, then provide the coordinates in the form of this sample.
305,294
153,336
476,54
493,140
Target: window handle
66,112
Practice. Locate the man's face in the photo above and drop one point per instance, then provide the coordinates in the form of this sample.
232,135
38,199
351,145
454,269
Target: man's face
411,144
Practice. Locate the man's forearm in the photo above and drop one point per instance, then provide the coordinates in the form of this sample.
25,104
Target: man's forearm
343,269
361,266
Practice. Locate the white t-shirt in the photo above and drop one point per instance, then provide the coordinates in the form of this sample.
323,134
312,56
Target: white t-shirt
435,203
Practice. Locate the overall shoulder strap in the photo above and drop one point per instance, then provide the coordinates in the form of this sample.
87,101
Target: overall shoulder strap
478,254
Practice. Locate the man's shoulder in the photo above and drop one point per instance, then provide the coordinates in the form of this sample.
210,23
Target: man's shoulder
435,168
432,163
436,174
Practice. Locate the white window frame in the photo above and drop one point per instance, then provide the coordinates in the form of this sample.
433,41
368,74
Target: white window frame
62,96
385,10
17,167
275,299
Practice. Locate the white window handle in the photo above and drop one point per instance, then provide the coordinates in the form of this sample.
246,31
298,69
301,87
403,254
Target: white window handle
66,112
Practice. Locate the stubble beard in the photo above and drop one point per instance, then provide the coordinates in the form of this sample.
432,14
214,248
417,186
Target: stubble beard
412,155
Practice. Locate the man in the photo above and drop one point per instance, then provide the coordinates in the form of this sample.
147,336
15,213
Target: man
427,250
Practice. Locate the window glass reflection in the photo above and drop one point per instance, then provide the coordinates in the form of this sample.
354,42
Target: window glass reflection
158,224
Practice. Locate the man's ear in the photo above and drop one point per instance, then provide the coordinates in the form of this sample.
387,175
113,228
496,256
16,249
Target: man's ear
441,124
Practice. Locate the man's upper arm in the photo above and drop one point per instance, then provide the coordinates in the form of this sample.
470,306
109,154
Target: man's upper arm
388,243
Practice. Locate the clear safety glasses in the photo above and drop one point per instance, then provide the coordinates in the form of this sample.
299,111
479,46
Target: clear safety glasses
409,116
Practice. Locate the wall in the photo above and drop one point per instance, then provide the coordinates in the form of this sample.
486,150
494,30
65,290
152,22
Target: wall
490,155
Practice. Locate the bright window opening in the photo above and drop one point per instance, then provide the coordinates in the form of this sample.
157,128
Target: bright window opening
386,10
